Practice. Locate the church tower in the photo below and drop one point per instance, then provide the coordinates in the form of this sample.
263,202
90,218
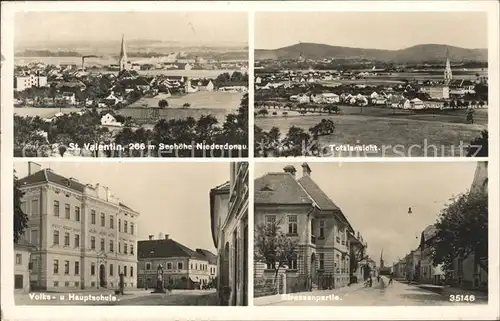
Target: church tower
382,259
447,71
123,56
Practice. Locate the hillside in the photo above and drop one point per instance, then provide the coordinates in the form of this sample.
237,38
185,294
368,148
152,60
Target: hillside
415,54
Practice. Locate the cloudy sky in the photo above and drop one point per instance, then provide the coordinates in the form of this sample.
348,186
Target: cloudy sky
172,198
377,30
206,27
375,197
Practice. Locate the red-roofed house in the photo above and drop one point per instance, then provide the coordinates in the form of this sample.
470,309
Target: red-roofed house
309,216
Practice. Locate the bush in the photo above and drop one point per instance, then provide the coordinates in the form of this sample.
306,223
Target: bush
275,113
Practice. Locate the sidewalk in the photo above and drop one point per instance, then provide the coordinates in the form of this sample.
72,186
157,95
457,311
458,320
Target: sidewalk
447,291
274,299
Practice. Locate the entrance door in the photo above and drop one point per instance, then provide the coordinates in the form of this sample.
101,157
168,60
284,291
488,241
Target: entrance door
313,268
102,276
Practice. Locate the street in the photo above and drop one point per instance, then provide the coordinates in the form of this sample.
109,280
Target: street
135,297
397,294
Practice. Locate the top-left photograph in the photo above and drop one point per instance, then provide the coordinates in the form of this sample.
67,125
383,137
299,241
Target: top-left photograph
131,84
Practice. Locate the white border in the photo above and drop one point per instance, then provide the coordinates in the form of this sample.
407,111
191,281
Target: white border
11,312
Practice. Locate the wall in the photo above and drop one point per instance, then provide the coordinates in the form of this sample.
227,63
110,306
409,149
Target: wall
21,268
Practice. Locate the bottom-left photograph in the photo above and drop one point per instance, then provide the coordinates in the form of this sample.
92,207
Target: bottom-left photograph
130,233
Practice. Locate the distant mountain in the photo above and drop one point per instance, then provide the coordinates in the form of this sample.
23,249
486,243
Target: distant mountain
415,54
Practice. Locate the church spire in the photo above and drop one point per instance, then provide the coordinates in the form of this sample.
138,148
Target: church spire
123,55
382,258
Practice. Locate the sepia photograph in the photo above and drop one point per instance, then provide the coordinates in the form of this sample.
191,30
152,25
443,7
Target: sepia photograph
355,84
131,84
324,235
83,235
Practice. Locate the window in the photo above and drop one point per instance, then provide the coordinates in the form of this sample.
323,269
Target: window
77,268
132,249
131,271
19,259
56,238
92,217
35,209
77,240
125,248
270,219
92,242
148,266
102,245
191,266
169,266
292,224
66,239
56,284
196,266
119,247
125,270
125,226
56,266
66,284
56,208
111,246
119,225
322,229
321,261
92,284
35,237
66,267
111,222
77,284
77,214
179,265
67,211
103,219
132,228
111,269
92,268
292,264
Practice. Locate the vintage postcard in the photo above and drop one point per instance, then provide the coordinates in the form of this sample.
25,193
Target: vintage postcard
352,84
82,236
130,84
323,239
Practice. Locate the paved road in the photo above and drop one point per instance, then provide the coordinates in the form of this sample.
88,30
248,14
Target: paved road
397,294
136,297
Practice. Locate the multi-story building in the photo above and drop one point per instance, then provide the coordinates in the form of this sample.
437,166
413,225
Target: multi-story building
182,267
428,272
28,81
212,263
22,266
399,269
311,218
84,236
229,220
437,92
357,252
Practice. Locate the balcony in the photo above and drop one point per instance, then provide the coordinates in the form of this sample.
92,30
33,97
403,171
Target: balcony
313,239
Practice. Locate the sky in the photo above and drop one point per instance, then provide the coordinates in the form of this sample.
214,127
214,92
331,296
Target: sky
172,198
375,197
206,27
371,30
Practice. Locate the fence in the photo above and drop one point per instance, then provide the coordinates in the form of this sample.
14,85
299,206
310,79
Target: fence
265,286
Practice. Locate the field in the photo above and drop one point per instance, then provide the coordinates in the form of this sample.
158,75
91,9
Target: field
400,134
198,100
43,112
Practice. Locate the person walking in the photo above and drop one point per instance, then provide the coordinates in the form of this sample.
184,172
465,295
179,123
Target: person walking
370,281
378,278
390,279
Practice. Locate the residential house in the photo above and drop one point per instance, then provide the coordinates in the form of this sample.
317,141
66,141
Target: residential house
23,82
212,263
437,92
404,104
205,85
182,267
109,120
67,98
112,99
417,103
22,264
357,252
311,218
429,273
229,222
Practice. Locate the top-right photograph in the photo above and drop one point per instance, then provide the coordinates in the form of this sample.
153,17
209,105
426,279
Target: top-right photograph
371,84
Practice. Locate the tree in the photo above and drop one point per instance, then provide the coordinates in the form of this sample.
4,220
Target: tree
356,255
186,105
163,103
263,112
479,146
463,230
20,218
273,247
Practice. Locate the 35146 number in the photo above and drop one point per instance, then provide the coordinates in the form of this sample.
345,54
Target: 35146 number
462,298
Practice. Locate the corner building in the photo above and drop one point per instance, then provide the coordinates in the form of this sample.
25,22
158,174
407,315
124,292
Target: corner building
84,237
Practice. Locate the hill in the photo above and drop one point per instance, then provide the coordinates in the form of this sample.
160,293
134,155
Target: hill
414,54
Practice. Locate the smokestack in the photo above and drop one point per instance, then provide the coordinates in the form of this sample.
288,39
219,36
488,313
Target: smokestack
150,237
306,170
33,168
290,169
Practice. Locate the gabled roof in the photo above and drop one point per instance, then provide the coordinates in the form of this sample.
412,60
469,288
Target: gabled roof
212,258
315,192
279,188
165,248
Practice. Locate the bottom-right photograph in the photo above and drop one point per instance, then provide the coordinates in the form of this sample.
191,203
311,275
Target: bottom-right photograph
370,233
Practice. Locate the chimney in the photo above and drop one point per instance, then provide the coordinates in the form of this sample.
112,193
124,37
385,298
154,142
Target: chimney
166,236
290,169
33,168
150,237
306,170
